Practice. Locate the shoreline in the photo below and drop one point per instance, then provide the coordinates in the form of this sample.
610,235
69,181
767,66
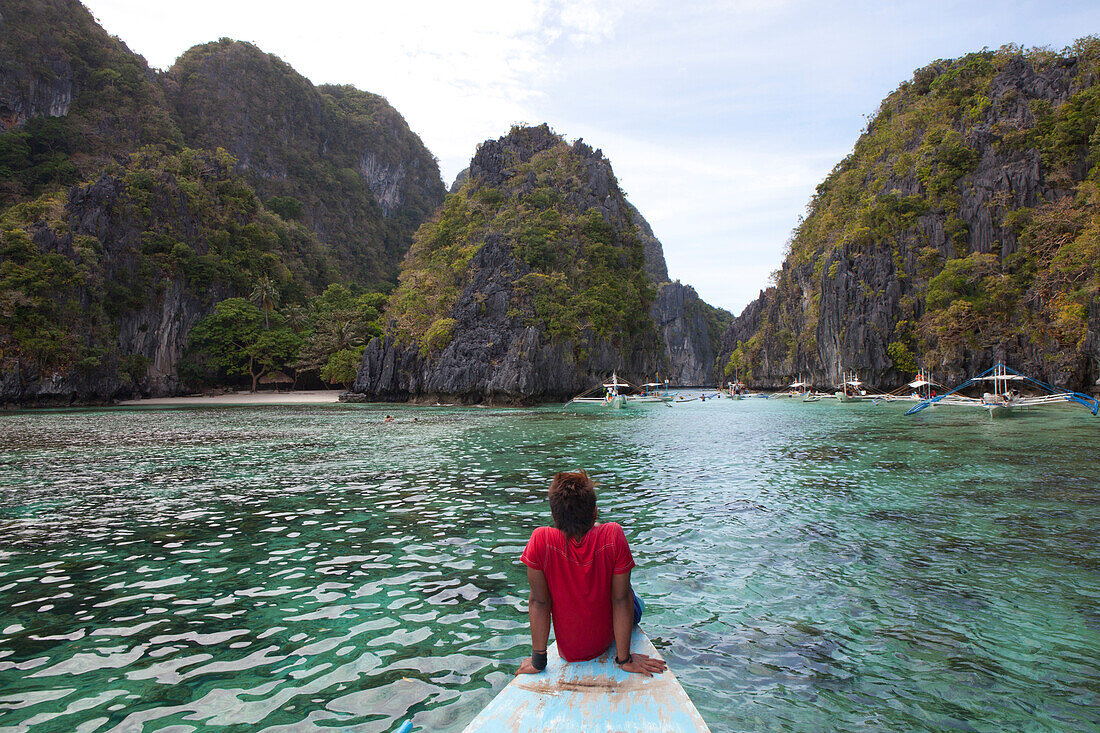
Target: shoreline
299,397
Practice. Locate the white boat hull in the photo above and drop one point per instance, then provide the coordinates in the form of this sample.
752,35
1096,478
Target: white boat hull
646,400
591,696
617,402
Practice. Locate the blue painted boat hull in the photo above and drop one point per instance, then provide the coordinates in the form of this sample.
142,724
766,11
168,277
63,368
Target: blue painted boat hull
594,696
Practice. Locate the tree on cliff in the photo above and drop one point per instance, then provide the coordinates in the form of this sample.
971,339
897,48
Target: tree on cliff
233,339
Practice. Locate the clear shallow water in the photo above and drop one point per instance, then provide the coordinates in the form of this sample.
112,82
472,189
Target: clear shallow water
805,566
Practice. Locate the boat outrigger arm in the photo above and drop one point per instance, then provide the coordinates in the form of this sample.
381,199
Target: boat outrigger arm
1001,372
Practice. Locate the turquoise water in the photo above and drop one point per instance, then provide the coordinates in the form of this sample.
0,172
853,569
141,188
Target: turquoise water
806,566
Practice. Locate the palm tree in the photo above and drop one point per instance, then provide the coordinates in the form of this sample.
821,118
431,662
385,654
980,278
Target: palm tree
265,295
343,332
296,316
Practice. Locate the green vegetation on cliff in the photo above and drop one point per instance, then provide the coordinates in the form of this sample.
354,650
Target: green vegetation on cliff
340,160
237,339
72,99
72,264
132,202
964,220
577,269
322,336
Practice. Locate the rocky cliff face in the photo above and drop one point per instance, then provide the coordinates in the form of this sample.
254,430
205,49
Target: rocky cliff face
494,356
72,98
23,96
655,265
117,237
102,284
528,287
689,330
958,233
537,280
342,160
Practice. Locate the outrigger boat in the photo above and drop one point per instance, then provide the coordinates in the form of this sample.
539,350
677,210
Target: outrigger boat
849,389
795,389
739,391
617,394
1004,399
591,696
605,396
922,386
650,392
736,390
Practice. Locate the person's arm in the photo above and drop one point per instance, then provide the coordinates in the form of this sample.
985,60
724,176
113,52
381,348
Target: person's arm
538,609
622,613
622,619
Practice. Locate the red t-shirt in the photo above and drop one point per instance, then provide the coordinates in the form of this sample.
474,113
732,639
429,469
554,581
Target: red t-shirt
579,575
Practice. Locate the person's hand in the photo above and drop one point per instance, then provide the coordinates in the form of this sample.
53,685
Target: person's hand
526,667
641,664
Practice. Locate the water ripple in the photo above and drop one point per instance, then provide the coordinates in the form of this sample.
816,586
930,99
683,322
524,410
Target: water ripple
806,567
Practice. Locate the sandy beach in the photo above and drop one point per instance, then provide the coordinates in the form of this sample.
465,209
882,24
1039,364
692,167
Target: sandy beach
303,397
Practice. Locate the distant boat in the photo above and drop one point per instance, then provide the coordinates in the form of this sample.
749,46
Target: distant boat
605,396
650,392
736,390
617,394
1005,397
795,389
922,386
851,389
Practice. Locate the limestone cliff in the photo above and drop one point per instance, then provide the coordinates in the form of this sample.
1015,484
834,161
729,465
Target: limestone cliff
690,330
341,160
115,237
529,286
537,280
101,284
72,98
964,228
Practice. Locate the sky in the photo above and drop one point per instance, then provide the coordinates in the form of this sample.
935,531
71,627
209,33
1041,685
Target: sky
719,118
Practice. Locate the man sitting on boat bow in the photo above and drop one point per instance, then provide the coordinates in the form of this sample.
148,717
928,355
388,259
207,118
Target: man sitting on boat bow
579,573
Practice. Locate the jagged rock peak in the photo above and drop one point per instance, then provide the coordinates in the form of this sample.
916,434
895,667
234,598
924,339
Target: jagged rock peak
496,160
462,177
68,87
536,280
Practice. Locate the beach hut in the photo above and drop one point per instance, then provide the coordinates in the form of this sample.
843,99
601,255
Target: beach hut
276,378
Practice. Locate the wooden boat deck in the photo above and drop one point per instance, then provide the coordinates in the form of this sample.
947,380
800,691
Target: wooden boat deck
594,696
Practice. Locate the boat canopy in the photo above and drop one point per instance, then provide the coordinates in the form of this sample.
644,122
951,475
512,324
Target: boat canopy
999,372
921,383
798,384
